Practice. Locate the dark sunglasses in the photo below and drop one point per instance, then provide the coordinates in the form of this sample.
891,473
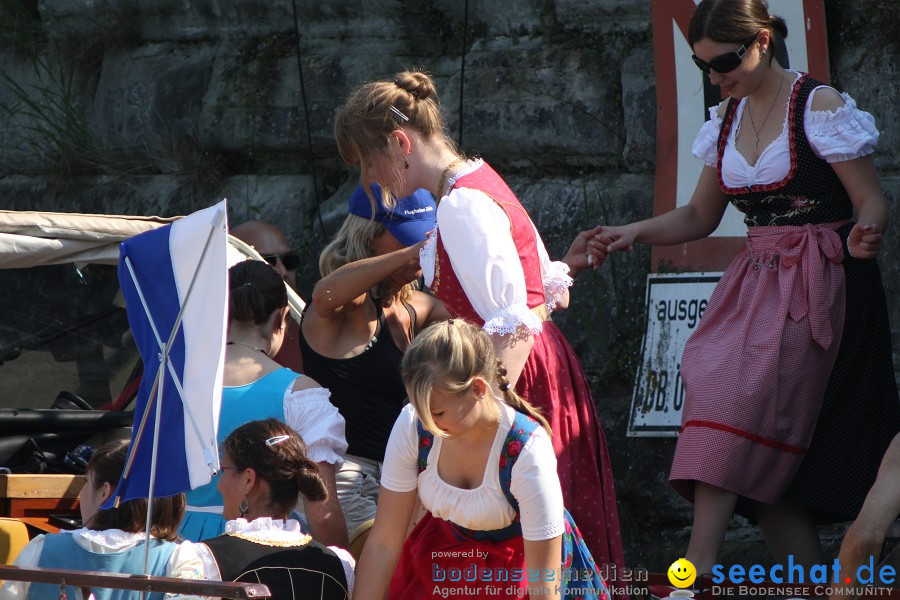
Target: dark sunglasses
290,260
727,62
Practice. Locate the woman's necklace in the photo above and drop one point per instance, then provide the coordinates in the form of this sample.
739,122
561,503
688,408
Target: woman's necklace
774,100
446,174
246,346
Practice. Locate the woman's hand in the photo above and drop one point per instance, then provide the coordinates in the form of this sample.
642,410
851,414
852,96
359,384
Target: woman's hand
579,256
610,239
865,241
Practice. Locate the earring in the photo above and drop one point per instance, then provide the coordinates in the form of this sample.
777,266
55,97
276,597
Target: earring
405,164
764,52
244,507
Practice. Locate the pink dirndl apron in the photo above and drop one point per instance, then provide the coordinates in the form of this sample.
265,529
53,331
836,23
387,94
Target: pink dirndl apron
756,368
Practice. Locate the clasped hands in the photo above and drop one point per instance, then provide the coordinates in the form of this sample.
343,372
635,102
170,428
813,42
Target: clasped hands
591,247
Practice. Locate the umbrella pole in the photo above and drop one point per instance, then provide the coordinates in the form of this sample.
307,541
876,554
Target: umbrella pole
153,456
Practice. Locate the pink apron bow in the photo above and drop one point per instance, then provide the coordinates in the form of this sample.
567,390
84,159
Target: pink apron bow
805,247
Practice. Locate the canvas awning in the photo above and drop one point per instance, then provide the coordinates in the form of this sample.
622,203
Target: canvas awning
33,238
30,239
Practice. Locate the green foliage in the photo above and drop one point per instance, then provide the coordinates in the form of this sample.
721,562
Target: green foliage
49,111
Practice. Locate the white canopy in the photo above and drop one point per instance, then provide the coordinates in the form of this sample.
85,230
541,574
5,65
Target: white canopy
31,239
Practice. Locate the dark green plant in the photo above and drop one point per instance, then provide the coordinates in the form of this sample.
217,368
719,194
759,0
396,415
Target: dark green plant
49,110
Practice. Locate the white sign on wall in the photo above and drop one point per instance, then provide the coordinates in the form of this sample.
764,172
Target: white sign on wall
675,303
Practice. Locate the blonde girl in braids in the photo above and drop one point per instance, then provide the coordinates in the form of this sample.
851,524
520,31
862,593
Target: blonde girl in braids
483,468
451,358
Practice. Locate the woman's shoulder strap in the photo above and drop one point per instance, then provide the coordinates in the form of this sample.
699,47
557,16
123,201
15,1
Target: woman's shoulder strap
426,441
523,427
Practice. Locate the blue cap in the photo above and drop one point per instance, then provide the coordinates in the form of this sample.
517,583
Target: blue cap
409,220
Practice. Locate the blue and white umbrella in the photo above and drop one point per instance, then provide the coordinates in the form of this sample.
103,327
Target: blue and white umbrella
175,283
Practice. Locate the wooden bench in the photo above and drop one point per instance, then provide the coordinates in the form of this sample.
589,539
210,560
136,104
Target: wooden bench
33,498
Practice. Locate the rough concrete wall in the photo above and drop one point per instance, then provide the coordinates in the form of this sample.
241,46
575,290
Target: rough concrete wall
165,106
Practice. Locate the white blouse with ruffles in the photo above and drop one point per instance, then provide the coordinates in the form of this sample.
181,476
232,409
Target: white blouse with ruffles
475,231
185,562
268,531
844,134
534,482
311,414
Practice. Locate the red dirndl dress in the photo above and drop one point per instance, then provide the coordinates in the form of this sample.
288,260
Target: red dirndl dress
552,380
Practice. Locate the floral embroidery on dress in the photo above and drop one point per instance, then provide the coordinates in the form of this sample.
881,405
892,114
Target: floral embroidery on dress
775,209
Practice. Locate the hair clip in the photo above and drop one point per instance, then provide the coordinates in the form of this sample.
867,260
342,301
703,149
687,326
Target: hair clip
399,114
504,387
277,439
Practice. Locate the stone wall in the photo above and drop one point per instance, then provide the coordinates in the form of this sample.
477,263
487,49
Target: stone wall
165,106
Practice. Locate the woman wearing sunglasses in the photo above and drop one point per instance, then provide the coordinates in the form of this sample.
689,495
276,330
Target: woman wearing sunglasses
791,398
265,469
256,387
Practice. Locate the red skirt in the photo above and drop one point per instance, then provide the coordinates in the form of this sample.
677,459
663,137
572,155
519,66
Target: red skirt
553,381
438,561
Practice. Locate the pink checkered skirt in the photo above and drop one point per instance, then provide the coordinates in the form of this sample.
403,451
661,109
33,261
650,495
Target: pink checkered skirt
756,368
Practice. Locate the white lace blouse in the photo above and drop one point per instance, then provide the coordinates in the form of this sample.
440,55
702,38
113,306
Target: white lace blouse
311,414
837,136
475,232
535,484
268,531
185,562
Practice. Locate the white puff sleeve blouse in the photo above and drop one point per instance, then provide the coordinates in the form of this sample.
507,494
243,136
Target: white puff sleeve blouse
535,484
311,414
834,136
475,232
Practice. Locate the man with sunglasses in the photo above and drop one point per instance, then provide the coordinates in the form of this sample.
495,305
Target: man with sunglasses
273,245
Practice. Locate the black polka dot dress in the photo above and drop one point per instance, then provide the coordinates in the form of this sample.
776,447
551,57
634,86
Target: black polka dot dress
815,427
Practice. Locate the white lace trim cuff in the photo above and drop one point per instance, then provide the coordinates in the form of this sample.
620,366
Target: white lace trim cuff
556,284
547,532
510,318
324,454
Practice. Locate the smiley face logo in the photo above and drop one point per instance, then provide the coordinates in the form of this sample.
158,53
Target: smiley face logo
682,573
